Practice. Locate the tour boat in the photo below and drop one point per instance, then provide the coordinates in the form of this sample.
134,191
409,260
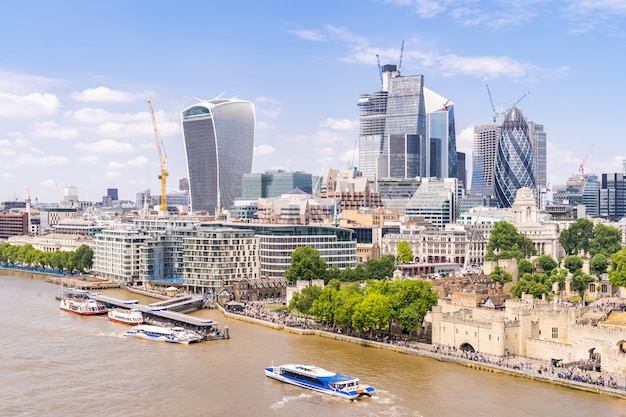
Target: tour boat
82,305
320,380
125,316
164,334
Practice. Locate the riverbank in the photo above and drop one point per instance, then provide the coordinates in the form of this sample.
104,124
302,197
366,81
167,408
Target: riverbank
529,369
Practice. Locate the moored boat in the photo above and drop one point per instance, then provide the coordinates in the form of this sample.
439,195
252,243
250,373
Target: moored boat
320,380
125,316
164,334
82,305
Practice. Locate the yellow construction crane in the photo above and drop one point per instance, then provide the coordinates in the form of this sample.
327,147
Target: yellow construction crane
162,159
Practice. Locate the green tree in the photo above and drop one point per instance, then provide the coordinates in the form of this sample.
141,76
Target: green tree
82,258
405,253
524,266
507,243
580,282
559,276
323,307
547,263
607,240
577,237
573,263
617,273
306,264
374,312
500,276
303,300
381,268
348,298
529,287
598,264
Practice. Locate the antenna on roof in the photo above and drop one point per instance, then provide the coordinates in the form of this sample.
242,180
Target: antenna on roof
400,61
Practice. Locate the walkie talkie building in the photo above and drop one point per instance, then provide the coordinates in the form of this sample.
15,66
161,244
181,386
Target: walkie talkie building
219,143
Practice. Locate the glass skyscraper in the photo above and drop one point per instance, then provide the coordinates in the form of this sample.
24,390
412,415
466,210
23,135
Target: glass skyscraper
484,158
514,159
219,141
442,161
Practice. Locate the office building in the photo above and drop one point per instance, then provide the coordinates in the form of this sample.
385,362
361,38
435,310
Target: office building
13,224
442,161
484,158
538,139
219,140
274,183
112,194
612,196
461,169
514,159
435,201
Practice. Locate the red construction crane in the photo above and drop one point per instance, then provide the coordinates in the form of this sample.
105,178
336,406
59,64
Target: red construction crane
581,167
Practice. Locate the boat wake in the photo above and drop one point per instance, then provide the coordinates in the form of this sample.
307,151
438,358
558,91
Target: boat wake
290,398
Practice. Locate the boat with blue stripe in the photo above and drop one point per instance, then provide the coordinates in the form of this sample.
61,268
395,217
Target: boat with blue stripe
320,380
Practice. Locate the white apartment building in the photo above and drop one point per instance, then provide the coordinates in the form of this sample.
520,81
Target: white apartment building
117,254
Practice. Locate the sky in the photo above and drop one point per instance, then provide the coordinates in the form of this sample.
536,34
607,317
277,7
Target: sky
75,77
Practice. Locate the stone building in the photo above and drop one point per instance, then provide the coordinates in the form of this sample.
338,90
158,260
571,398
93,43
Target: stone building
535,329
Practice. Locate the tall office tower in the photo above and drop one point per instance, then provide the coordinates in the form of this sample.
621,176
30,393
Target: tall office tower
461,170
404,143
183,184
392,134
540,154
484,158
612,196
442,160
112,193
372,108
219,142
590,195
514,159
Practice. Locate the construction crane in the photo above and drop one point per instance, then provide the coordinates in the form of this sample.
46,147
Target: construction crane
163,160
581,167
493,108
380,71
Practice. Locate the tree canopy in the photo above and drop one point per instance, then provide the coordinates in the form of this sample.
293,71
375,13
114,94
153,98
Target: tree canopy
607,240
577,237
500,276
306,264
617,273
405,253
547,263
507,243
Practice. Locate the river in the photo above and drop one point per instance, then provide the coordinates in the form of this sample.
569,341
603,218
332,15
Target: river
55,363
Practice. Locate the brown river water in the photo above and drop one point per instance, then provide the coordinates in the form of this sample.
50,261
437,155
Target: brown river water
54,363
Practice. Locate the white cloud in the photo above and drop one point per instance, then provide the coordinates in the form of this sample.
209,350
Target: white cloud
88,160
308,35
139,161
40,161
52,130
105,145
89,115
263,150
106,94
31,105
340,124
15,83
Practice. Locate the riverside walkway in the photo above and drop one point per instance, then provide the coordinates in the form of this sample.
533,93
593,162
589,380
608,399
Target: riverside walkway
572,376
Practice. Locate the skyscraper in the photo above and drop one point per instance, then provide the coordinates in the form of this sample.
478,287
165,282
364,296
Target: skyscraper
442,161
484,158
514,159
219,142
540,164
406,130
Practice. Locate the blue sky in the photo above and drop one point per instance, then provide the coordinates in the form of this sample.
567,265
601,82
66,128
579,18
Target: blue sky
75,77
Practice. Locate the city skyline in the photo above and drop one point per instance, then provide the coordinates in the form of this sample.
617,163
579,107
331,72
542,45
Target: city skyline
76,77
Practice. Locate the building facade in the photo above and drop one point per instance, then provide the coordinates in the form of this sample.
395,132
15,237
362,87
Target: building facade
514,160
116,254
219,141
484,158
274,183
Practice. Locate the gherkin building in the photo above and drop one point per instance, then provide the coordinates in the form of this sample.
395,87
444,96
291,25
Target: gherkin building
514,159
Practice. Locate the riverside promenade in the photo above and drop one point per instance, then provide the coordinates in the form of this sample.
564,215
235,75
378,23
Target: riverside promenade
595,382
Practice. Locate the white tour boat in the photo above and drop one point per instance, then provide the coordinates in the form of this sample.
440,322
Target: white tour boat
126,316
164,334
82,305
320,380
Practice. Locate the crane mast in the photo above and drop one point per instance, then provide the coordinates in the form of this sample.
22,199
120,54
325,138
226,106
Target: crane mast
162,160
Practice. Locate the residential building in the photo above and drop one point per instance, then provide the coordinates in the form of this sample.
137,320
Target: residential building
214,258
117,254
219,139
